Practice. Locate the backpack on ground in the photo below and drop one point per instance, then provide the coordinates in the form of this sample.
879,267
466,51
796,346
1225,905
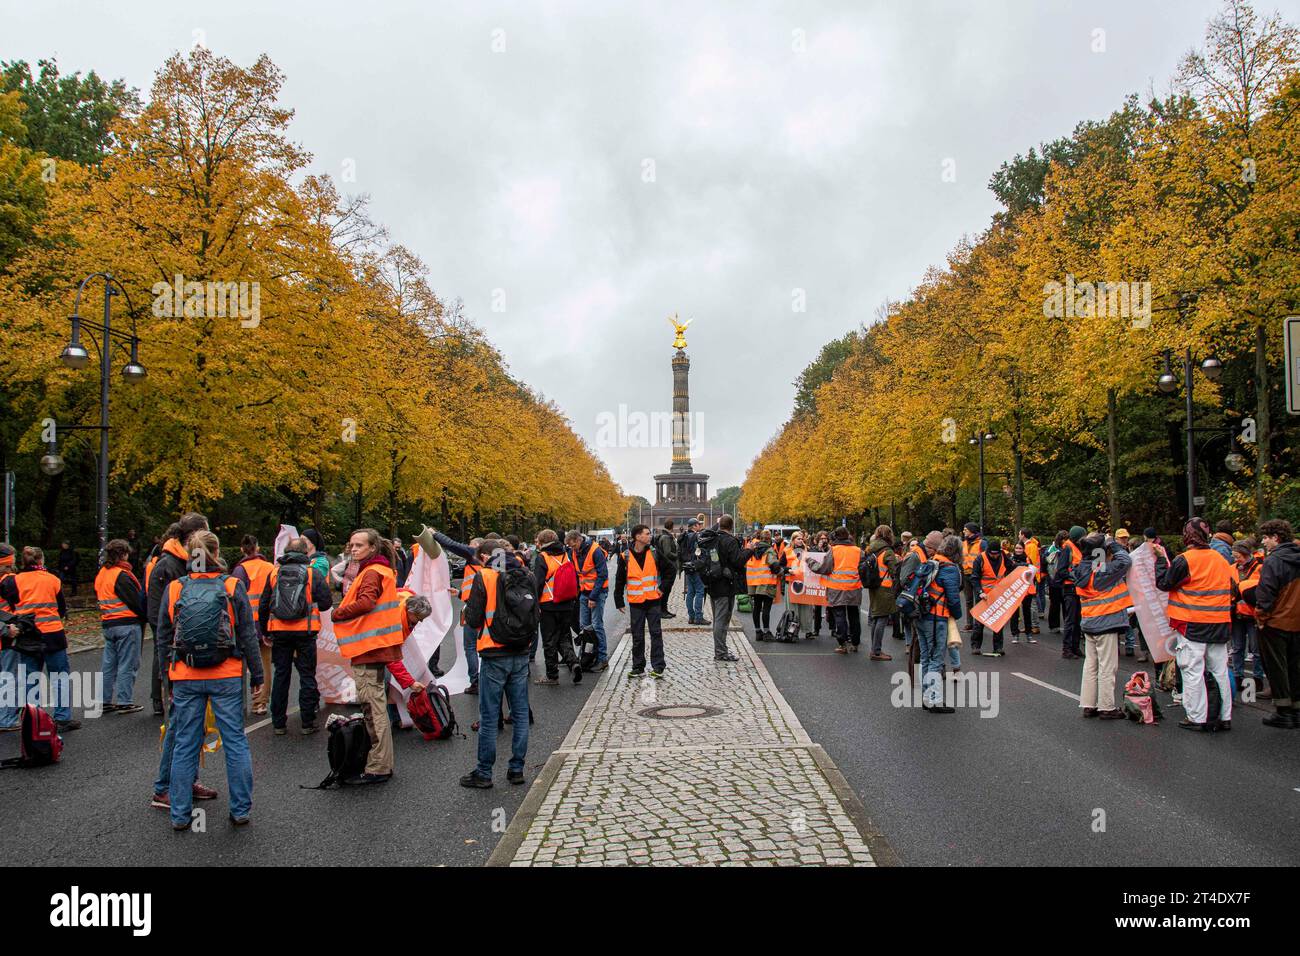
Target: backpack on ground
787,629
40,743
432,712
291,596
564,583
348,748
517,614
588,648
743,604
203,636
915,599
872,579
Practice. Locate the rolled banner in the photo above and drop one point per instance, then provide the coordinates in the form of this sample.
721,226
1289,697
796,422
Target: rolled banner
1150,604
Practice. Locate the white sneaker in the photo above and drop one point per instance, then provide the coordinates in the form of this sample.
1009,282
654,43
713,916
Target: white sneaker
1178,698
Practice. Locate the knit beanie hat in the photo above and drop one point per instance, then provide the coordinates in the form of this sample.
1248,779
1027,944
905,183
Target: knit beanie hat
1077,533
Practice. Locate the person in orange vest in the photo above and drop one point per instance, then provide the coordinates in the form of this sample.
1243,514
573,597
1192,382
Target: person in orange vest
469,635
989,567
1276,600
8,655
1020,559
1070,556
559,613
121,614
1034,557
638,576
34,590
972,543
368,627
207,631
173,559
1245,635
293,584
1202,590
252,571
1104,604
593,589
843,567
794,582
944,596
761,577
503,660
884,603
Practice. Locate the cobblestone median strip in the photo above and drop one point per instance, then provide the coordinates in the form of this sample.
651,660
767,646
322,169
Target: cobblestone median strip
742,787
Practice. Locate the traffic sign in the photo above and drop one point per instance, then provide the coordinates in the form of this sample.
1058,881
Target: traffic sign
1291,345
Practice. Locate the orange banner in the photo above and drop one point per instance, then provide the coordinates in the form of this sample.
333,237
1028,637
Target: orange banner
812,589
1002,600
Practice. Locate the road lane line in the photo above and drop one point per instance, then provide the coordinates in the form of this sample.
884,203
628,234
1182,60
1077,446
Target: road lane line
1040,683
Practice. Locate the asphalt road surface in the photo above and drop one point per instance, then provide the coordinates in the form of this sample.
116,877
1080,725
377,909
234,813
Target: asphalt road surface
93,807
1031,784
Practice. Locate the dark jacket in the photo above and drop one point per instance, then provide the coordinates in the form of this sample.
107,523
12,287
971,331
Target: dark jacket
476,608
1115,572
1277,597
599,563
732,557
555,549
688,544
321,597
884,600
665,545
246,638
1169,575
172,564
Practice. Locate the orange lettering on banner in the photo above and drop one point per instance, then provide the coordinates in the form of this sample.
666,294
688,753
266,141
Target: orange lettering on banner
1003,599
812,589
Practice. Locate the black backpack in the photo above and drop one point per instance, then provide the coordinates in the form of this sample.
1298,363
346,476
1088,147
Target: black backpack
514,625
588,647
709,563
787,629
872,578
29,640
348,748
203,635
291,596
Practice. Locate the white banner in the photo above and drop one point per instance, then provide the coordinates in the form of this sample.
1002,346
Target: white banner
1150,604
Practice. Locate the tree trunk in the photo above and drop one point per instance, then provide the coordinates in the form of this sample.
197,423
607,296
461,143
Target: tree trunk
49,510
1263,422
1112,462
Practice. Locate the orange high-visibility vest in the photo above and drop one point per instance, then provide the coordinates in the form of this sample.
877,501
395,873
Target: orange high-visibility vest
643,582
886,579
989,577
844,576
6,571
467,581
232,666
1248,583
148,569
485,641
1095,603
1032,553
111,607
1205,596
917,550
380,627
258,570
310,623
38,595
552,565
793,562
969,549
938,596
587,574
1075,557
757,573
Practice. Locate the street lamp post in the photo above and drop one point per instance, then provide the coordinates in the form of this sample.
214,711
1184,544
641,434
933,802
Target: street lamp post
1168,383
75,356
982,438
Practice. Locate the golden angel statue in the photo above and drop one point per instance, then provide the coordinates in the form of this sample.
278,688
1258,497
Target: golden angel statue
680,341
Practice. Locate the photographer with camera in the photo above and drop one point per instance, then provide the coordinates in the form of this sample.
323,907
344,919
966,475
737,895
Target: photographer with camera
1104,602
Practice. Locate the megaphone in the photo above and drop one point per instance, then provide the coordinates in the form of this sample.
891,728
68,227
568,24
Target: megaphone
427,543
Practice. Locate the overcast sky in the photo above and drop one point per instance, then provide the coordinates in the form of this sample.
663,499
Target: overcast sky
605,164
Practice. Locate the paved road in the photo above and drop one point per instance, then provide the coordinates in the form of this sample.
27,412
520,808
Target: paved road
1023,788
93,807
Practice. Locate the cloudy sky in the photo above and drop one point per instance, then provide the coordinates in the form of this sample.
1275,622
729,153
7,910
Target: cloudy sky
576,172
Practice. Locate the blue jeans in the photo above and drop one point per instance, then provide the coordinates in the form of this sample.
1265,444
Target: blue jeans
189,703
9,664
508,675
1245,636
469,641
933,634
594,617
1040,598
694,596
121,662
55,665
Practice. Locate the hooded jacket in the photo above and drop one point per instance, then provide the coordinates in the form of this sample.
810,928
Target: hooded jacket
731,555
173,562
1115,571
1277,597
884,600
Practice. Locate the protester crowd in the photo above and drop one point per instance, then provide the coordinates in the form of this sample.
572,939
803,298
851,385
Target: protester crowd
1233,604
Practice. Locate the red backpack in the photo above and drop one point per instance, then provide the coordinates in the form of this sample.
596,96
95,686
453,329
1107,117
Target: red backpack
41,743
564,585
431,712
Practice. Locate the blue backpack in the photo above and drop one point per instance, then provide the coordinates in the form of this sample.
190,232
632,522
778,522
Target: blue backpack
203,636
915,599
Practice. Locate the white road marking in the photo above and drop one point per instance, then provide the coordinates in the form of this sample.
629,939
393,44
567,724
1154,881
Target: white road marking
1035,680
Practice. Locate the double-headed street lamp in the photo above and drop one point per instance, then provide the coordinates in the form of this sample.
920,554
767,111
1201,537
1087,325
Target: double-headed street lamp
1168,383
75,356
982,438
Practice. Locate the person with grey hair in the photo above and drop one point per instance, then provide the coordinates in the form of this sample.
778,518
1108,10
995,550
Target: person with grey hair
288,613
